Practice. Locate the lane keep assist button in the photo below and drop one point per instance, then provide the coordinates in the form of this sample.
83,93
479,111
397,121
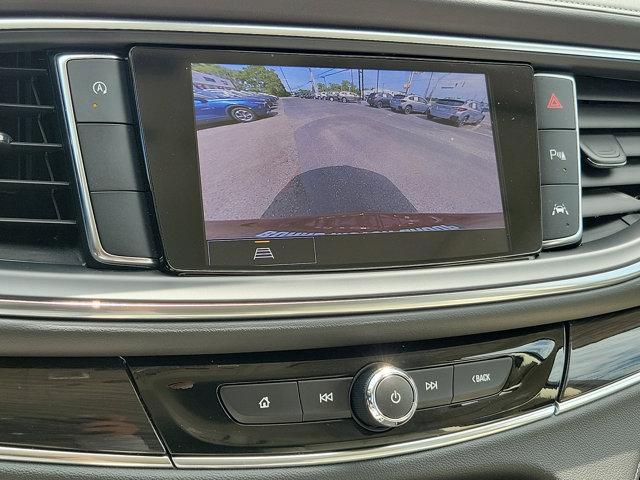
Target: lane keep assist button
480,379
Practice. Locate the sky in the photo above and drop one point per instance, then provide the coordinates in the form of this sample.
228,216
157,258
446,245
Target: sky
473,85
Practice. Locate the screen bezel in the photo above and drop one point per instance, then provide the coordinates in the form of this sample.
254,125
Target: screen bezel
162,83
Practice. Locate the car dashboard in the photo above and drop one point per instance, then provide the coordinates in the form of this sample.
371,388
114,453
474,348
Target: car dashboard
304,240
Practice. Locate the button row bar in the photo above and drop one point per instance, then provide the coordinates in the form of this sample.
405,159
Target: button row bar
329,399
559,157
111,156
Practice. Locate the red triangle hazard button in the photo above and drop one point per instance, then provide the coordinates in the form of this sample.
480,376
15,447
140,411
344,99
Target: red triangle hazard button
554,103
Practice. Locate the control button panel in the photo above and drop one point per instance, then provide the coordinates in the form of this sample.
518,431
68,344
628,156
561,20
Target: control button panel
435,386
559,156
380,396
560,211
336,398
98,106
263,402
325,399
99,90
480,379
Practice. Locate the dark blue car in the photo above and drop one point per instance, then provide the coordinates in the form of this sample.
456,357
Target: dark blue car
213,109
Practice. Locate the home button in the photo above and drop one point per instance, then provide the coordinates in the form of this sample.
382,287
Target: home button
261,403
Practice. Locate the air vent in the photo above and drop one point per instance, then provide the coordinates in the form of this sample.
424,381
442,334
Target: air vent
609,119
37,206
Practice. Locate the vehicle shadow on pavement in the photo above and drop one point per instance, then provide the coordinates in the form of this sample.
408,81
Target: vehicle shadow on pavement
338,189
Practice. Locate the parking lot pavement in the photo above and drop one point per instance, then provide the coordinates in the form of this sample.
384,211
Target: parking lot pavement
438,168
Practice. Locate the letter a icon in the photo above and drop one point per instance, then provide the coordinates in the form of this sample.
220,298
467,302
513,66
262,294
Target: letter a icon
554,103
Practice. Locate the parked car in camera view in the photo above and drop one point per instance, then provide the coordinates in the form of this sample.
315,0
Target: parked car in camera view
410,104
270,98
458,112
332,96
380,100
211,109
216,92
348,97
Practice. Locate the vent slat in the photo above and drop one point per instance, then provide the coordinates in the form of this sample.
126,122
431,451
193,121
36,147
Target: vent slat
36,221
17,72
630,143
16,185
607,90
20,110
611,177
19,148
609,116
599,203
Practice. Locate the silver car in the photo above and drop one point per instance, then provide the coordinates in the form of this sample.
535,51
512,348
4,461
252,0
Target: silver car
458,112
347,97
410,104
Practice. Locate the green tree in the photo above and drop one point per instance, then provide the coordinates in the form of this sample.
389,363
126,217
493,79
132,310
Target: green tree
253,78
257,78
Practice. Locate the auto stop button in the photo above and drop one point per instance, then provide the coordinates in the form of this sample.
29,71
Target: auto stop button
99,90
394,396
480,379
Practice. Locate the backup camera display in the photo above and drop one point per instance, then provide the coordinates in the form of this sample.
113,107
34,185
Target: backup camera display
300,153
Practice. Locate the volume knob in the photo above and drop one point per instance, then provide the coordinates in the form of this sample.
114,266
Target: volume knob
383,397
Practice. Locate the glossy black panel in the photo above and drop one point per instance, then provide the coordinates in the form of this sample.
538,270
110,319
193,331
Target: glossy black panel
603,350
73,404
175,185
181,392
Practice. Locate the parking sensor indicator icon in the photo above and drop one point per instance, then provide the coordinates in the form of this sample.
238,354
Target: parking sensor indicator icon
263,252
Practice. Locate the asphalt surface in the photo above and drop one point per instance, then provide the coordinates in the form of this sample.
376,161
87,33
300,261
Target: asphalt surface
319,157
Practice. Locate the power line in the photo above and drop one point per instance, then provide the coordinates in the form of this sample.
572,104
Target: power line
285,79
326,71
335,73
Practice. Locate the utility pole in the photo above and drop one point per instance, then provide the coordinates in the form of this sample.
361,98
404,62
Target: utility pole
314,86
407,85
426,90
436,85
377,81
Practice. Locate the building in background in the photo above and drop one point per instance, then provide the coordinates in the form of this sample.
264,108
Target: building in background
458,86
210,80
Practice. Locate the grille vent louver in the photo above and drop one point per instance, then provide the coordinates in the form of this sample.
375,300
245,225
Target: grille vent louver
37,199
610,196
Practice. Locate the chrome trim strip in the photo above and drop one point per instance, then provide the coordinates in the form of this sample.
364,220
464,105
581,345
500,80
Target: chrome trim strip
307,459
597,394
559,242
27,23
37,455
92,309
91,229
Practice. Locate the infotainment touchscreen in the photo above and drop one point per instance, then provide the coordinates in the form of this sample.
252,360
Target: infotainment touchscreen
311,162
